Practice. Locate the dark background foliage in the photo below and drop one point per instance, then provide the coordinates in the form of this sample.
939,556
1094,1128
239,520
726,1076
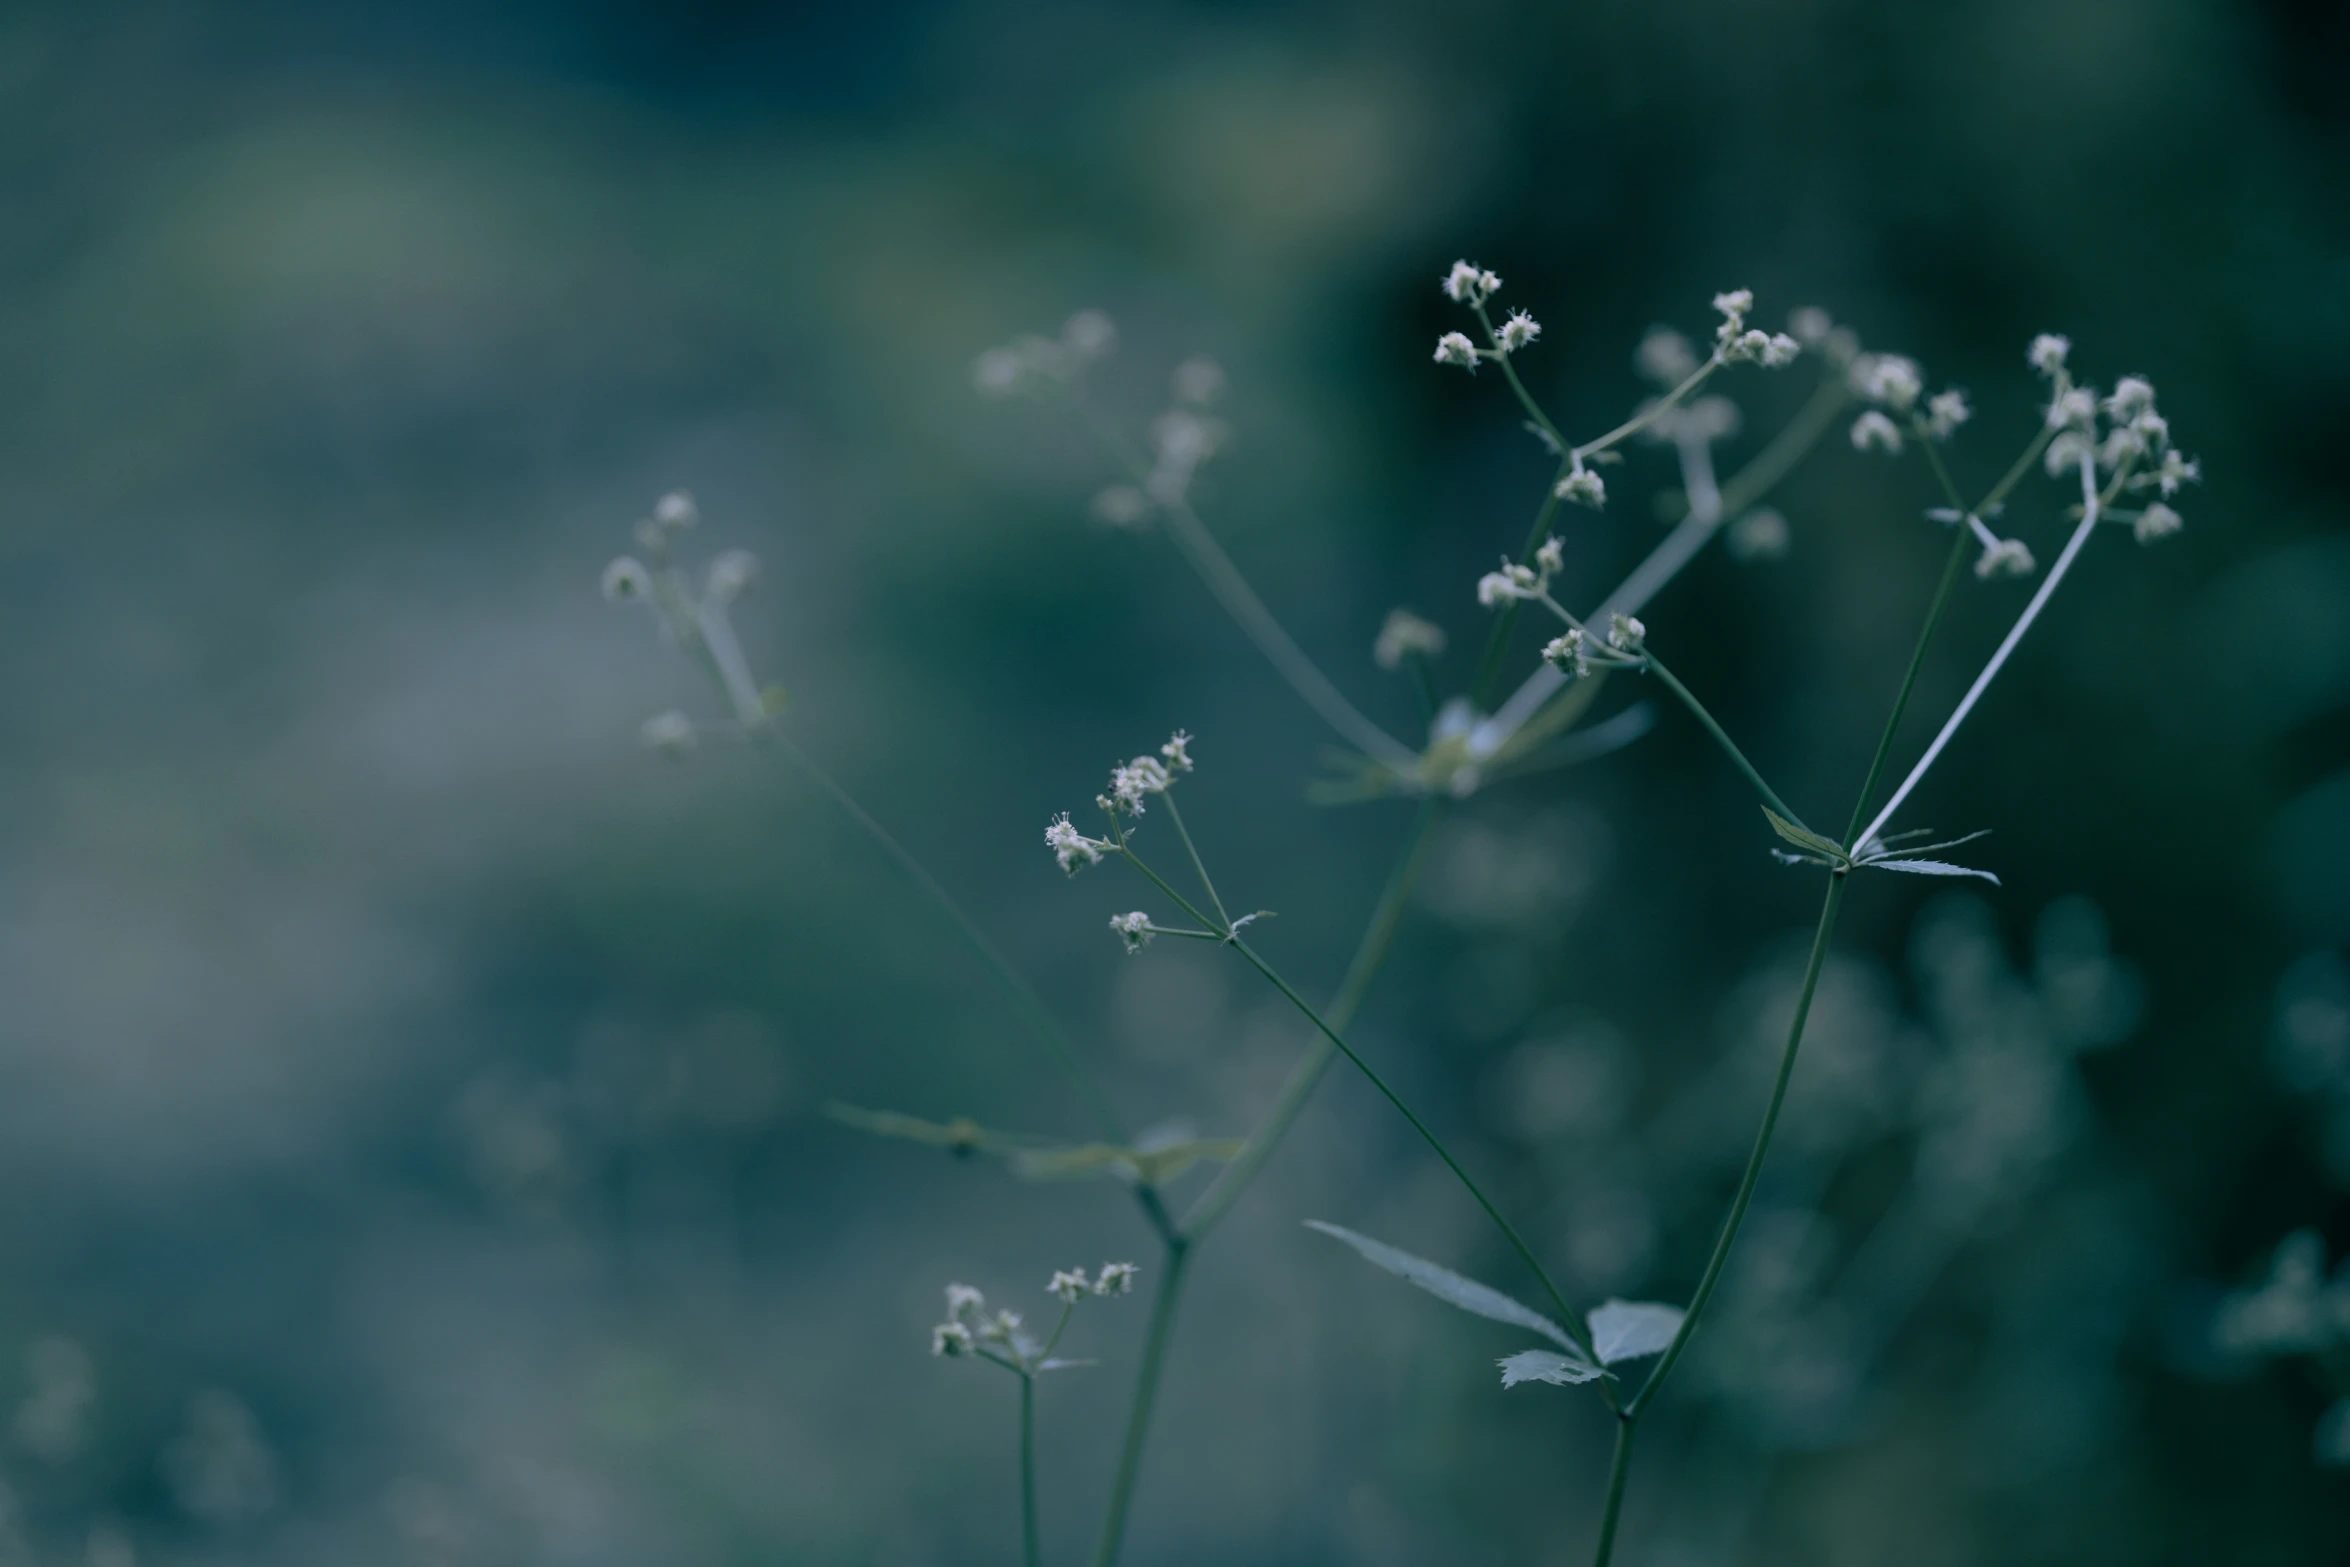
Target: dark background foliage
408,1088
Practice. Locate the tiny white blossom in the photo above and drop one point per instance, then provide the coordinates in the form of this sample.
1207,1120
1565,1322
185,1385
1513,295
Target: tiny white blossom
1945,412
1403,635
1519,330
1070,846
1177,751
2132,395
1466,284
1198,381
626,579
1090,333
670,733
1733,305
1116,1278
2150,427
1889,380
676,510
2006,557
962,1300
1513,581
1780,351
1665,357
1569,652
2047,353
2120,445
1551,558
2156,522
1874,430
1000,1327
2076,407
1120,506
730,572
950,1339
1747,345
2175,471
1068,1284
1144,775
1761,534
1583,487
1454,348
1134,929
1625,634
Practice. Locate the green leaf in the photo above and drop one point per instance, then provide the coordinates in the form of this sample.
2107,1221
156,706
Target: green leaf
1805,838
1928,868
1450,1287
1542,1365
1629,1329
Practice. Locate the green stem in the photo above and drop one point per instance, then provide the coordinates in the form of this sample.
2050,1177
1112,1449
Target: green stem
1673,684
1024,998
1754,1160
1146,1389
1653,412
1909,680
1034,1553
1224,920
1510,374
1619,1463
1509,1232
1497,640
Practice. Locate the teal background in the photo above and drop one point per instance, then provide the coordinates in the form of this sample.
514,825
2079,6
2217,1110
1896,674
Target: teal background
409,1088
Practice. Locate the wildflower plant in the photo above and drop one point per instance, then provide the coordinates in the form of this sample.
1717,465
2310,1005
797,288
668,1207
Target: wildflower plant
2112,461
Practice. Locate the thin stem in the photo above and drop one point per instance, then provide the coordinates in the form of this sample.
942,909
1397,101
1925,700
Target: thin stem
1619,1463
1909,680
1146,1389
1509,1232
1034,1552
2090,510
1754,1160
1673,684
1025,1000
1497,640
1510,373
1653,412
1223,920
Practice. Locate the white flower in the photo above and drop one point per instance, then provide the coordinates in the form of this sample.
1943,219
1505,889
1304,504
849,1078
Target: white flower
1134,929
676,510
1569,652
1583,487
1759,535
2150,427
1945,412
1779,352
626,579
2121,443
1090,334
1454,348
1811,325
1889,380
2156,522
730,572
2175,471
962,1300
1116,1278
1873,429
2132,395
1177,751
2047,353
1624,633
1128,784
1665,357
999,372
1403,635
670,733
1070,846
1000,1327
1470,285
2065,453
1513,581
1733,306
1746,345
1120,506
1068,1284
1551,558
1519,330
1199,381
2076,407
2005,557
950,1339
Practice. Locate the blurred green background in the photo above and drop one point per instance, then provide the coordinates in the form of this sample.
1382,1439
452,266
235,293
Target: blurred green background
409,1087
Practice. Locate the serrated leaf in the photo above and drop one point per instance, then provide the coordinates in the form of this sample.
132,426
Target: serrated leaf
1543,1365
1628,1329
1805,838
1448,1286
1929,868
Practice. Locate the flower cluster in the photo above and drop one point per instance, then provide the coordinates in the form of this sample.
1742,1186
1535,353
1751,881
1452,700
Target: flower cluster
1069,1284
1578,652
1471,285
1734,340
1071,847
1027,364
970,1325
1515,581
1406,635
1134,929
693,617
2122,435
